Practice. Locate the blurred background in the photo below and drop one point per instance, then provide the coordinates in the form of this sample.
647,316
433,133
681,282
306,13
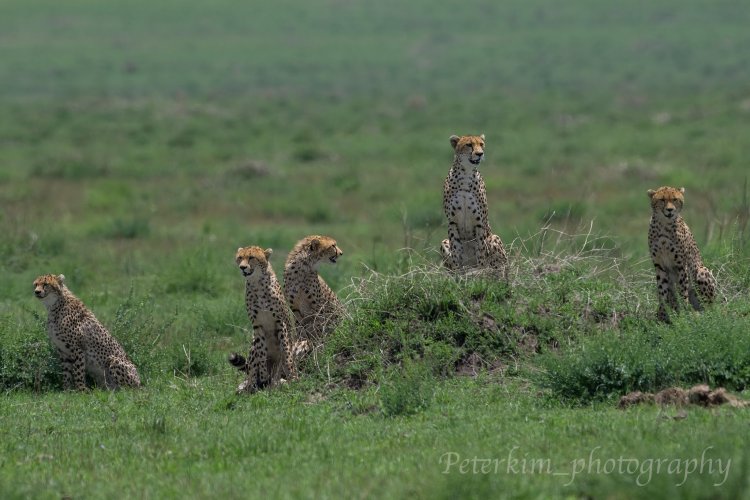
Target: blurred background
143,142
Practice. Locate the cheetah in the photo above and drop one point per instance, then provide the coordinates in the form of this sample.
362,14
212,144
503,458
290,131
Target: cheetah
675,255
316,308
83,344
273,328
470,243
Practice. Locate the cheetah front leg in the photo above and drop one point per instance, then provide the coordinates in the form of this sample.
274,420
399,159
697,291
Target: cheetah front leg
76,367
257,371
66,362
287,354
455,248
666,293
683,284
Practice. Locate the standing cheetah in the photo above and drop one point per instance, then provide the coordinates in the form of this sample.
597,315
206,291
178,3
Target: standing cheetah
273,328
82,343
316,308
470,243
675,255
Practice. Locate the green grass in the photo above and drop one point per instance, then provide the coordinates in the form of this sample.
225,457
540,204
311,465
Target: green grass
142,143
193,438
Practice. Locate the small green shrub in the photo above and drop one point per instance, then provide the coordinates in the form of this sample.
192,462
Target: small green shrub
27,360
192,360
140,329
407,389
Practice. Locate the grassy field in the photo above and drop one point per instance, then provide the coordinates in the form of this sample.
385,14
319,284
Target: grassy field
142,143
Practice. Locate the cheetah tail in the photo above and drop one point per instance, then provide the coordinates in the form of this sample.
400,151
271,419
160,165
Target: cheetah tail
238,361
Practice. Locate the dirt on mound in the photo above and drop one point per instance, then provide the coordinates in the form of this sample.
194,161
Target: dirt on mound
700,395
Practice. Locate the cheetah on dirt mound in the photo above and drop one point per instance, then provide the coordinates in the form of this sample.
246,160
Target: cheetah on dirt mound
271,352
675,254
470,243
316,308
82,343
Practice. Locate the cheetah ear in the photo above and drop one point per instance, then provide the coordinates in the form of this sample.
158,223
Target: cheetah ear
454,141
651,193
238,250
481,136
314,244
61,278
267,252
682,190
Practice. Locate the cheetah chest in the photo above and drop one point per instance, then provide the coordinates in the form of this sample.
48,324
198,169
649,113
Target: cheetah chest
464,210
665,251
665,257
61,341
308,299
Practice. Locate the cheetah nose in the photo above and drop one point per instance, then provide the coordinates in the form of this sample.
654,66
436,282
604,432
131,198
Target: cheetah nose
37,292
243,267
479,153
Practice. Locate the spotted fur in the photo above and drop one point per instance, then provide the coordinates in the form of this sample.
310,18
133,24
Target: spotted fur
470,243
316,308
271,352
83,344
675,254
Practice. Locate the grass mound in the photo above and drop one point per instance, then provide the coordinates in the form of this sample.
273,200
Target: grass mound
462,324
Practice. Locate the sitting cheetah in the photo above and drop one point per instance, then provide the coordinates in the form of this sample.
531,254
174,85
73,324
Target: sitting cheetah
316,308
470,243
273,329
82,343
675,254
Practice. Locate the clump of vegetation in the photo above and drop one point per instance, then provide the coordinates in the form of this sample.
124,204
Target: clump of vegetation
27,360
711,348
141,334
407,389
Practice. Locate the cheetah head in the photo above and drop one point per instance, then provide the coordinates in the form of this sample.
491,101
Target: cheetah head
324,248
469,147
252,259
48,287
667,201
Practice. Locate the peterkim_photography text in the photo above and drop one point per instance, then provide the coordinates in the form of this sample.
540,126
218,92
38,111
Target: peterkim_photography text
595,463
